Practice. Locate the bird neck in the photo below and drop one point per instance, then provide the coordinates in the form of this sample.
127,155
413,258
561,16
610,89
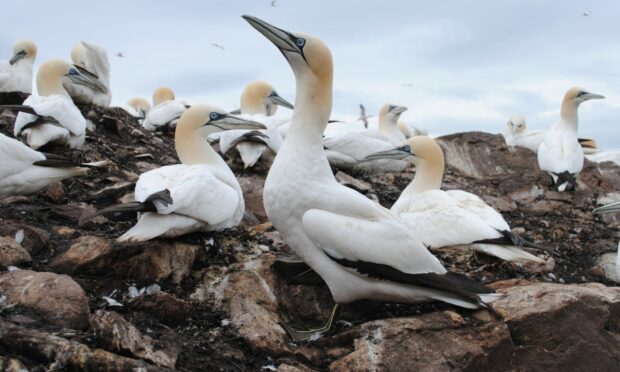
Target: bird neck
253,107
428,176
48,86
568,113
193,148
388,127
313,106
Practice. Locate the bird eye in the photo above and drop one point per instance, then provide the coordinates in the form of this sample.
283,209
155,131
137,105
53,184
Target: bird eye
300,42
392,107
214,116
73,72
582,93
407,148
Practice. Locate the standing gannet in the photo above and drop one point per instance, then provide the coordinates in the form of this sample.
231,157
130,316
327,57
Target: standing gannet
259,102
201,194
16,74
360,249
51,116
92,61
560,153
165,112
137,107
449,218
612,208
517,134
350,149
25,171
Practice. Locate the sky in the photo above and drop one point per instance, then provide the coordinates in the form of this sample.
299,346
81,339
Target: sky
457,65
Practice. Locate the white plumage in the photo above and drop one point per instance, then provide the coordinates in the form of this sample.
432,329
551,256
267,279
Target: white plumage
16,74
347,239
20,176
252,149
69,128
94,60
165,112
517,134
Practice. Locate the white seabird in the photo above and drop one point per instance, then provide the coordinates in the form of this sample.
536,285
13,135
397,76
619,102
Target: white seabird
349,150
52,116
259,102
410,130
16,74
360,249
560,153
165,112
137,107
517,134
201,194
25,171
450,218
92,61
612,208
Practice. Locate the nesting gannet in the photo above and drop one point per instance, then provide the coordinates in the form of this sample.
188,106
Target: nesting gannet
201,194
449,218
560,153
165,112
16,74
92,61
517,134
51,116
350,149
25,171
360,249
137,107
612,208
259,101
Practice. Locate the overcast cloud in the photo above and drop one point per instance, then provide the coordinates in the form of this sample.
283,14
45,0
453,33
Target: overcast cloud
457,65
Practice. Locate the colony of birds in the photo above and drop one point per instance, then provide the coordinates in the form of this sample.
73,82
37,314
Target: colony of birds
360,249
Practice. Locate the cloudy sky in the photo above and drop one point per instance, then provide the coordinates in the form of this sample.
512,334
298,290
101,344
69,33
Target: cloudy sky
458,65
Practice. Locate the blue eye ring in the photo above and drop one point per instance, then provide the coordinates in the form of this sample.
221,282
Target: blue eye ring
300,42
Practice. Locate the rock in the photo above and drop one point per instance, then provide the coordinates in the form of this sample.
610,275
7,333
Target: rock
162,306
64,231
351,182
502,204
431,342
116,334
78,212
562,327
605,267
528,195
83,251
12,253
55,191
35,240
144,166
253,194
55,298
12,365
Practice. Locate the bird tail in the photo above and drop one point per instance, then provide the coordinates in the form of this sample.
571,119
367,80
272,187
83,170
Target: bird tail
148,205
20,108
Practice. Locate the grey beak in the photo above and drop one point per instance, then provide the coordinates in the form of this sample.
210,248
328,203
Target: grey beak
609,208
81,79
398,153
277,100
284,40
228,121
17,57
593,96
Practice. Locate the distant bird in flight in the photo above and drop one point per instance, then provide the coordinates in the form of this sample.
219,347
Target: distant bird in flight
586,13
274,3
217,45
120,55
407,85
363,117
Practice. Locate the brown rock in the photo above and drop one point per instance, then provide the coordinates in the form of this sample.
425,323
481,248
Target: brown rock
35,239
253,194
502,204
605,267
12,365
83,252
431,342
562,327
118,335
351,182
55,298
55,191
78,212
65,231
164,307
12,253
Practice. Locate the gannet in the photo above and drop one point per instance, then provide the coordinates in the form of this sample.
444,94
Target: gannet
92,61
360,249
517,134
51,116
16,74
612,208
137,107
409,130
259,102
25,171
165,112
560,154
449,218
350,149
200,194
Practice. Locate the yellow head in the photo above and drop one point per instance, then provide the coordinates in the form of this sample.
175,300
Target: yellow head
78,55
516,124
259,97
162,94
23,49
391,112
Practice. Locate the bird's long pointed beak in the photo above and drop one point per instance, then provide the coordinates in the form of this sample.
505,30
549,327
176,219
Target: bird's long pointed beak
398,153
228,121
84,80
609,208
277,100
284,40
399,110
17,57
594,96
